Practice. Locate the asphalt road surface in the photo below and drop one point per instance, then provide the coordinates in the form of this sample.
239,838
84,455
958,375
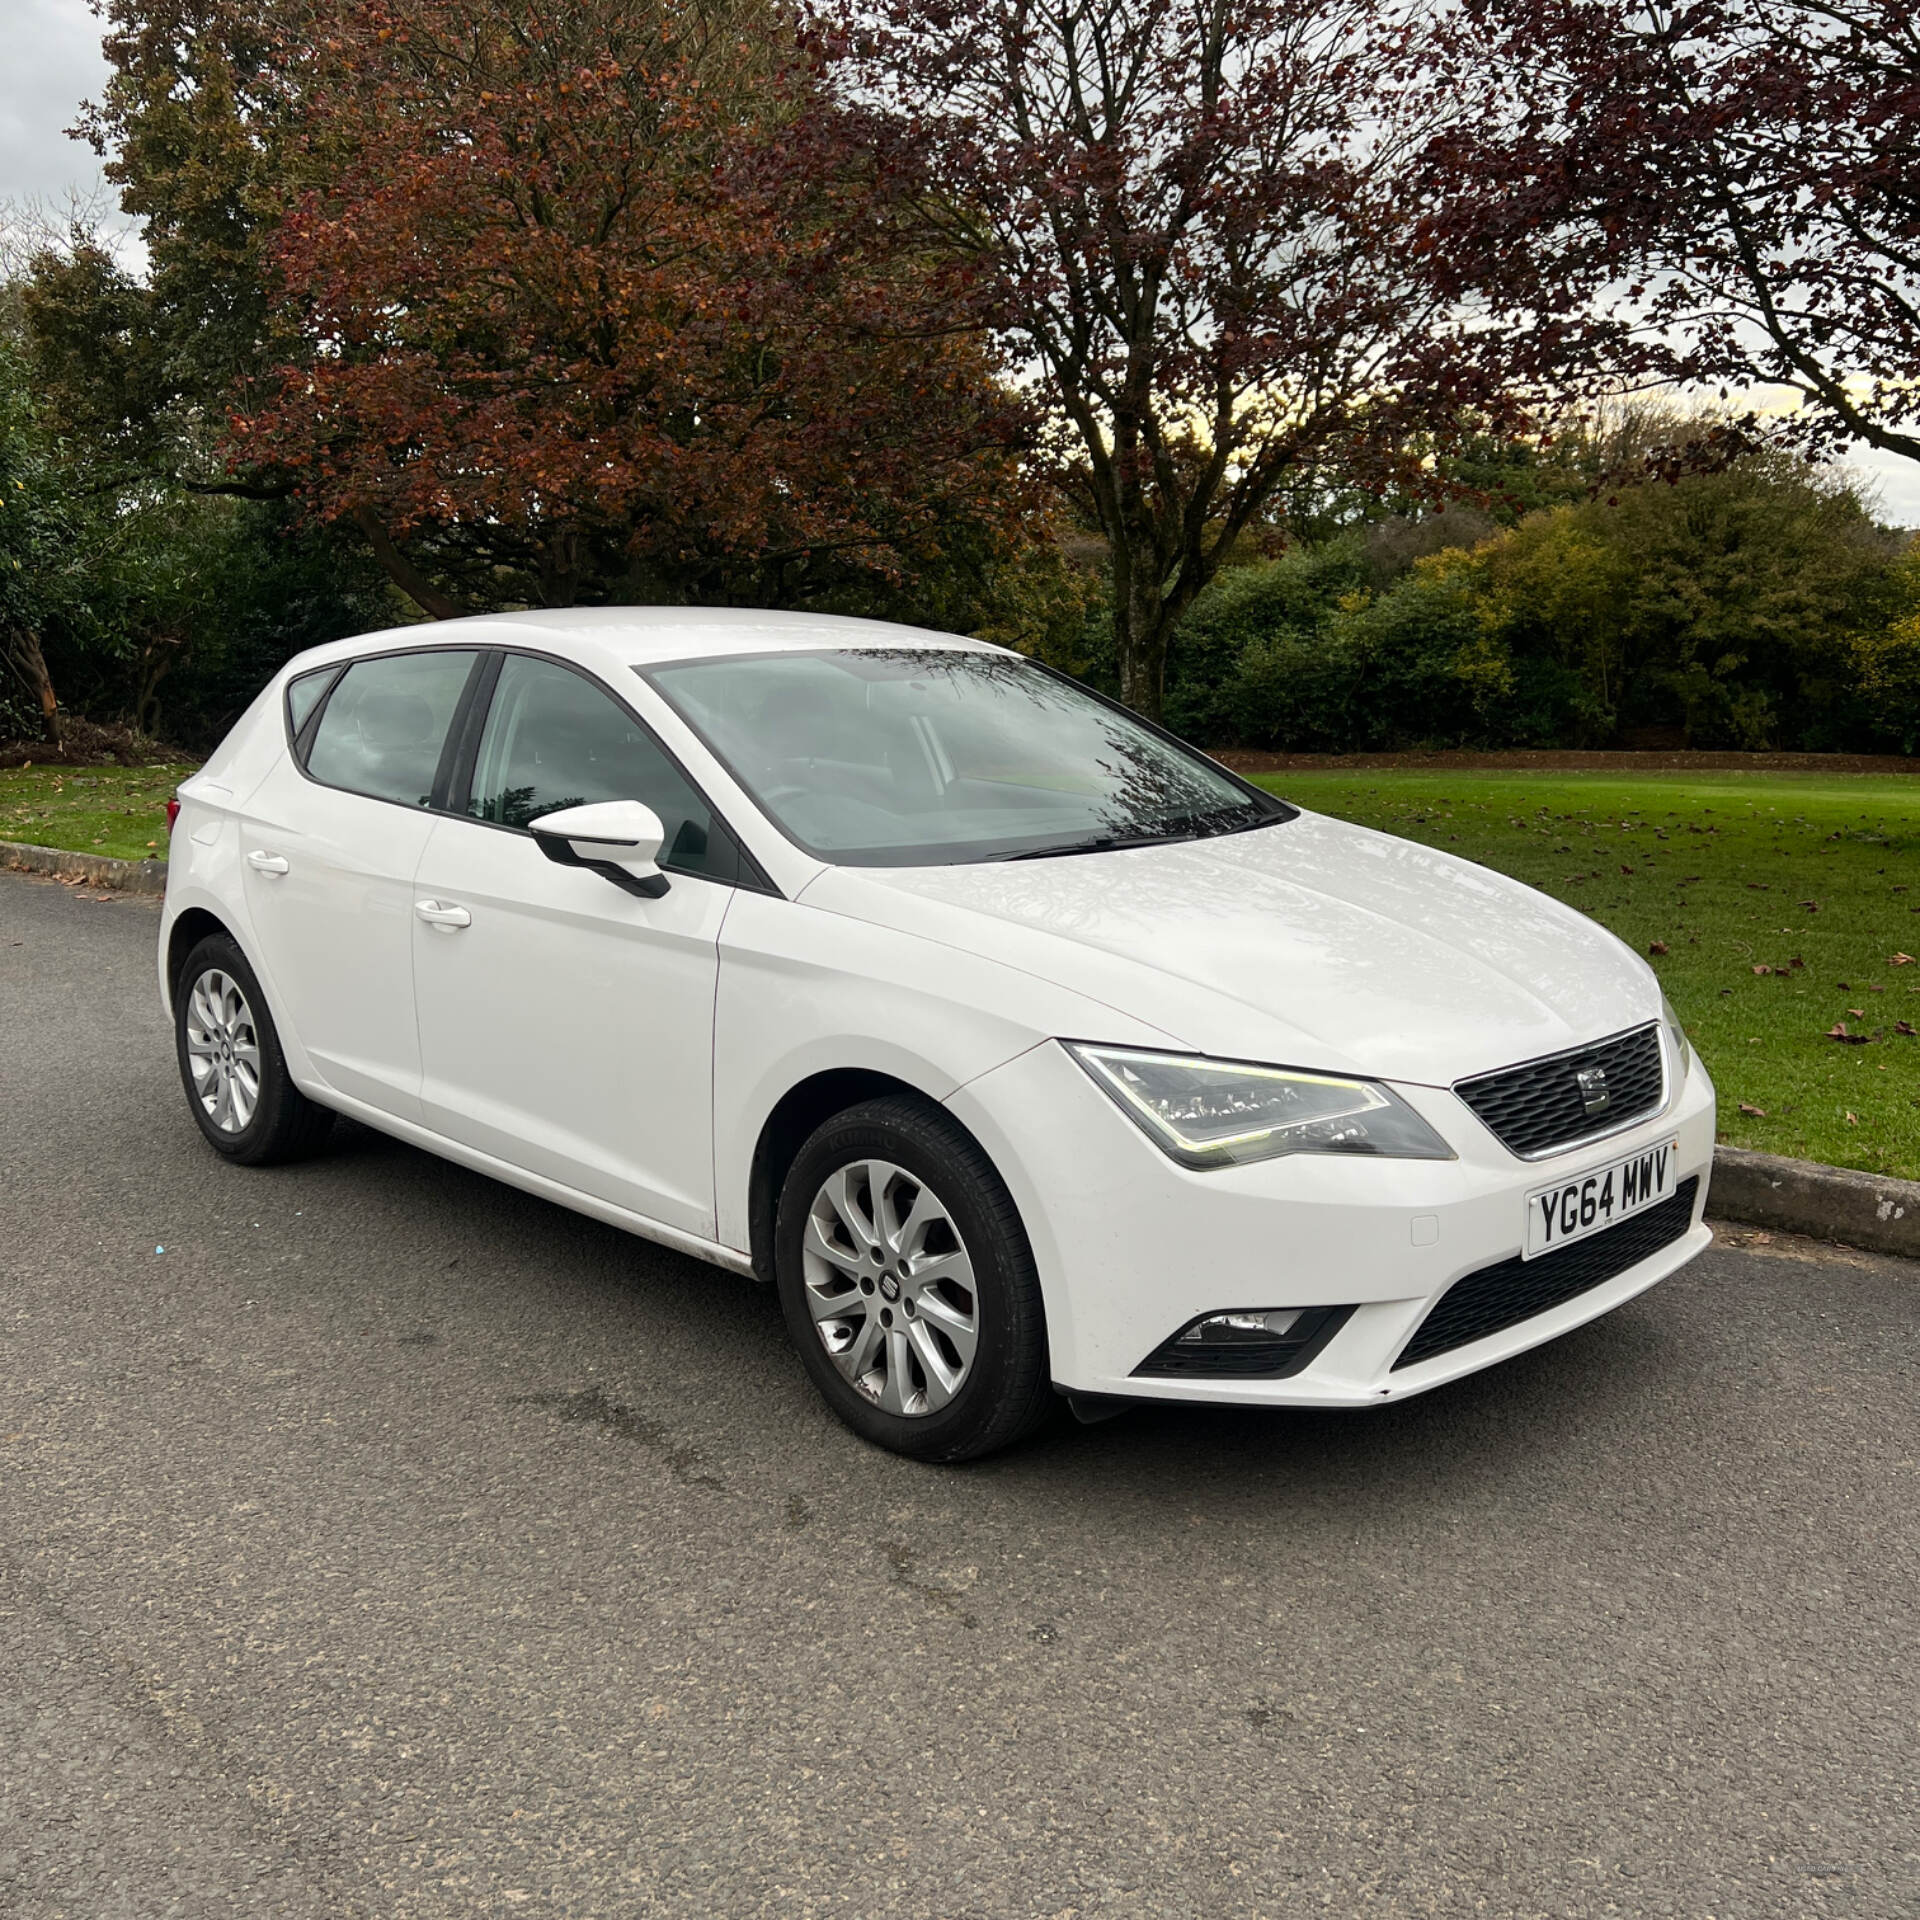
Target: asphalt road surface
393,1544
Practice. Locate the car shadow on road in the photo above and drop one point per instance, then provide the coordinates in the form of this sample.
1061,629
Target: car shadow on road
569,1284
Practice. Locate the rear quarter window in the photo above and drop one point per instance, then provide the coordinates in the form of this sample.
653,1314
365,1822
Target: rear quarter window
303,695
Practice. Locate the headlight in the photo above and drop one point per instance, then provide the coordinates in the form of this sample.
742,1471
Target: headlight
1676,1041
1220,1113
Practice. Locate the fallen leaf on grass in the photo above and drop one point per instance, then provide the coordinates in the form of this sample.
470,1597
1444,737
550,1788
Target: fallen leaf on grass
1838,1031
1853,1119
1796,961
1904,1026
1759,1113
1858,1013
1901,960
1626,869
1657,946
1812,906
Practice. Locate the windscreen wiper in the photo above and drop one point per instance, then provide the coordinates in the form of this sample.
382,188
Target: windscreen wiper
1188,826
1101,843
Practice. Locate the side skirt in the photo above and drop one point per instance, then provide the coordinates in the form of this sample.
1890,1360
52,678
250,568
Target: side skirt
537,1184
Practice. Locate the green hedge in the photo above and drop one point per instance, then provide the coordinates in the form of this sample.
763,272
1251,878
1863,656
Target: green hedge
1755,607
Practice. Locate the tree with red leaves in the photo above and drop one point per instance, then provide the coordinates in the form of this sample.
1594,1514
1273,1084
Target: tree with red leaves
601,301
1209,226
1737,181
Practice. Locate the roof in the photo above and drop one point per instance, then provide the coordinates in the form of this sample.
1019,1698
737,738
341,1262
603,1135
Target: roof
641,635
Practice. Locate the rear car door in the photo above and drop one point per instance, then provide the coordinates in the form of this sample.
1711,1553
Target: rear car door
566,1026
329,843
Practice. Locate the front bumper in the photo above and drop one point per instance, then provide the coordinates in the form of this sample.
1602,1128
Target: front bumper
1130,1246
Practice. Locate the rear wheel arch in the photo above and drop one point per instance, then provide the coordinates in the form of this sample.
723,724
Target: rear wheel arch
186,933
233,1069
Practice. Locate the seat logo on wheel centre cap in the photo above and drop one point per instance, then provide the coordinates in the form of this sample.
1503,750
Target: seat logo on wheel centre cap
889,1287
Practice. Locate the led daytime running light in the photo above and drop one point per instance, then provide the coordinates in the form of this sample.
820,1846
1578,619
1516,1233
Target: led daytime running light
1214,1113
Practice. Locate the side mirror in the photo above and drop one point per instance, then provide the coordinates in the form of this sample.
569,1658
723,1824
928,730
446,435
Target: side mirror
618,839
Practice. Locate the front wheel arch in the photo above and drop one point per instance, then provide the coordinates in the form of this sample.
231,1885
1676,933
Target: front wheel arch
1004,1390
796,1114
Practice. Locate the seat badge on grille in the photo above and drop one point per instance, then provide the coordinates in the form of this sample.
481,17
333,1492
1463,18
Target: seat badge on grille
1593,1088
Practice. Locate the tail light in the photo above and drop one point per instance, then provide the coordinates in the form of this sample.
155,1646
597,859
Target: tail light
173,812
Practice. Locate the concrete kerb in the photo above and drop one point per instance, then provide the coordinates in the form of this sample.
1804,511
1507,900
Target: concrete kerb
1865,1210
130,876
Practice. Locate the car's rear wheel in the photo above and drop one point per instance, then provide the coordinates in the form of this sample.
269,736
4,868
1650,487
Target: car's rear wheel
231,1065
908,1285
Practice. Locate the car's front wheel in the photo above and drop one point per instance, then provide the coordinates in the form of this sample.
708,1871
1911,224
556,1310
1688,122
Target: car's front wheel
231,1065
908,1285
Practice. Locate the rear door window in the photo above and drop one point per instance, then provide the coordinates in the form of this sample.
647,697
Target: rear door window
386,723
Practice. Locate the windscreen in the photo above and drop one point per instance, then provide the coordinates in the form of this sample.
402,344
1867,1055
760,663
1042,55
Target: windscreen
903,757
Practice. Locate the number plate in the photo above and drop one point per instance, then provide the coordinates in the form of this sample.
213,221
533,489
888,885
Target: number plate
1597,1200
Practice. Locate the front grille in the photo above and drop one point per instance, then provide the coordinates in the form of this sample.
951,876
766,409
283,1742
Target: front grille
1542,1106
1499,1297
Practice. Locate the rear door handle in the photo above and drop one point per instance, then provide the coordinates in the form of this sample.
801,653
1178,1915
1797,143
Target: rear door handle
437,913
263,862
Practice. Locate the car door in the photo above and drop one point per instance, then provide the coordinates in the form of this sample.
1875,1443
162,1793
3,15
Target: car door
566,1025
329,843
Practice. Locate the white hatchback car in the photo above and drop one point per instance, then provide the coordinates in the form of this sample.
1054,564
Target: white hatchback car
1024,1049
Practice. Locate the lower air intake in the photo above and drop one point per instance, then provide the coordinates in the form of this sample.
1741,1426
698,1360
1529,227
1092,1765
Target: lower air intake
1499,1297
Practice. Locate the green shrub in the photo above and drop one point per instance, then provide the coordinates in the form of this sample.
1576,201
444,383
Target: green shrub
1752,606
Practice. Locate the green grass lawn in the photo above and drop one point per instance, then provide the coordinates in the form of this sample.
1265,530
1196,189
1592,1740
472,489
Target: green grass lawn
120,811
1717,866
1781,900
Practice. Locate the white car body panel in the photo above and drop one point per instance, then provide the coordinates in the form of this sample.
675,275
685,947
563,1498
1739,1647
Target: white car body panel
336,922
622,1056
1311,943
1155,1245
804,992
569,1026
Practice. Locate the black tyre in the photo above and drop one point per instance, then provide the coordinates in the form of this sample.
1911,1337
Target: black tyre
236,1078
908,1285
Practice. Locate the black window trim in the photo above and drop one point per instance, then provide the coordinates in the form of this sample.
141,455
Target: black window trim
1278,811
300,738
750,875
303,744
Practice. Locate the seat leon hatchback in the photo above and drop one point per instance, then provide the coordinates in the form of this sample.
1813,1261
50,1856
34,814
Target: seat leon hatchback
1023,1049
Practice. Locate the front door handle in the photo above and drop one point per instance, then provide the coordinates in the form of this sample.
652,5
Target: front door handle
263,862
437,913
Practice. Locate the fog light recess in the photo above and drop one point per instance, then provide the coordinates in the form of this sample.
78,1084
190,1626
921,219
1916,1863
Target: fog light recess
1254,1343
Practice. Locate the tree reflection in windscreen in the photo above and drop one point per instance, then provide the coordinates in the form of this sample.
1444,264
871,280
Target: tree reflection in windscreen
911,757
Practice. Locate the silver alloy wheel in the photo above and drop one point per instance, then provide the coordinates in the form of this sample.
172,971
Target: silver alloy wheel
223,1050
890,1286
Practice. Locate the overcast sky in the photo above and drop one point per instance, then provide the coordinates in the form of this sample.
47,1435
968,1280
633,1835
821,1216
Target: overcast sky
52,63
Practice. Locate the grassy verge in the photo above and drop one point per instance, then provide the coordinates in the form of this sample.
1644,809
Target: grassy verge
118,811
1719,868
1781,901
